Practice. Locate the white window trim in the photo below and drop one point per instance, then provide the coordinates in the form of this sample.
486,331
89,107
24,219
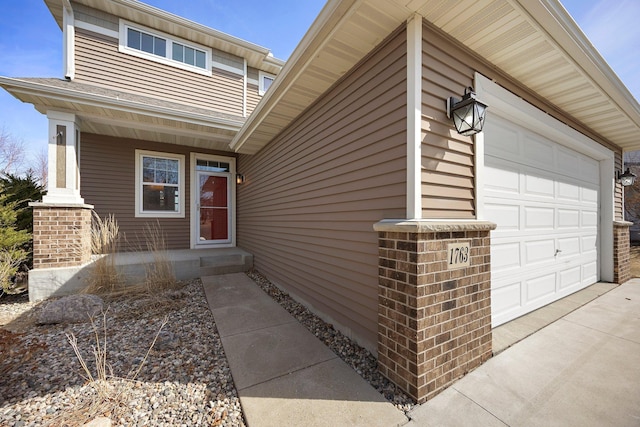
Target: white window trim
138,185
195,241
122,47
262,74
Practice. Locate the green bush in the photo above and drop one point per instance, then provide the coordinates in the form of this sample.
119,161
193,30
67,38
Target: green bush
16,225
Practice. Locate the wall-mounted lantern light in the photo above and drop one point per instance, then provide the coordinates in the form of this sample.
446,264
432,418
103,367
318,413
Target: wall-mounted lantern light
239,178
627,178
467,113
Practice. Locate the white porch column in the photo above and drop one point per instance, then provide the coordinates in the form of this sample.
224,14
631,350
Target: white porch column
64,159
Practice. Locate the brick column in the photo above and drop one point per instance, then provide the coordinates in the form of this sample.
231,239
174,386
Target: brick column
434,315
621,251
61,235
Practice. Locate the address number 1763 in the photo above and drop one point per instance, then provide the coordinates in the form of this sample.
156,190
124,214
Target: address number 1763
458,255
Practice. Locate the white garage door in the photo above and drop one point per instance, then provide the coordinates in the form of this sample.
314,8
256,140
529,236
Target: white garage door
544,199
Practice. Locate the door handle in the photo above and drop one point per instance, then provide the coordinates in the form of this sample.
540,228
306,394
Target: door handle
557,252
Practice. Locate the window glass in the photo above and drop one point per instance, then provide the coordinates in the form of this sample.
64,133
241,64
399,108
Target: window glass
178,52
201,59
266,82
211,166
149,43
160,183
133,38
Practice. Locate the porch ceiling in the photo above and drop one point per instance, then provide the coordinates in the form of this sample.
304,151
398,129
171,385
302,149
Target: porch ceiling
124,115
535,42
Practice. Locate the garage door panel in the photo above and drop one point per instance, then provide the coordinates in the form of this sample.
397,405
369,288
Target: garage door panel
568,192
590,273
539,251
506,256
506,298
539,186
508,215
569,246
544,199
538,218
502,179
589,170
589,219
540,287
569,219
569,161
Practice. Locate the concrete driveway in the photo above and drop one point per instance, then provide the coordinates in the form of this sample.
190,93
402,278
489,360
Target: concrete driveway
582,370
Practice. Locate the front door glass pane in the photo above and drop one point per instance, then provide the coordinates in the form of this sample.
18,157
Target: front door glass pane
214,209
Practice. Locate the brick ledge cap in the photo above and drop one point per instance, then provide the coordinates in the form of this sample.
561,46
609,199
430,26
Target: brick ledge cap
622,223
60,205
425,226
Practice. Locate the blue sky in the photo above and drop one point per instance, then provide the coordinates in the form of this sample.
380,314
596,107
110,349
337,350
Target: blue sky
33,47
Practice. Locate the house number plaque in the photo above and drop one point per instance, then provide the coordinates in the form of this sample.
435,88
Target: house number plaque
458,255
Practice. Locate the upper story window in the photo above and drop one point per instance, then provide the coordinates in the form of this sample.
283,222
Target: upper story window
156,46
264,82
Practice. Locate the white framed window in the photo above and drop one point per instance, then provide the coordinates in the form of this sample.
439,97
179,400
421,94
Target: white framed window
264,81
160,47
159,185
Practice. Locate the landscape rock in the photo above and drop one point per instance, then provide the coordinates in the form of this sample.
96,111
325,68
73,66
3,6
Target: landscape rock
99,422
167,341
71,309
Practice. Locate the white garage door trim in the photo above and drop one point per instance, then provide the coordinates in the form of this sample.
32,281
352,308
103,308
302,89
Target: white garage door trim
505,104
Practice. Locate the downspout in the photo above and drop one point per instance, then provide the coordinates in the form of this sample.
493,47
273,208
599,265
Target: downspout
68,42
244,89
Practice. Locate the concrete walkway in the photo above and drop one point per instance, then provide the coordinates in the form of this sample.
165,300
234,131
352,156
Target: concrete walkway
582,370
284,375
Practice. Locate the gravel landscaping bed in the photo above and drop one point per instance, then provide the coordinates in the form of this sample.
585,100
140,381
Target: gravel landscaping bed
184,380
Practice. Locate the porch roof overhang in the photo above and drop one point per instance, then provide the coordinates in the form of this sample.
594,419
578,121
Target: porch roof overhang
120,114
136,11
535,42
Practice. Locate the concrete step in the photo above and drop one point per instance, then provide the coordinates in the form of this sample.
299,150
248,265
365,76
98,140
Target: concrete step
214,265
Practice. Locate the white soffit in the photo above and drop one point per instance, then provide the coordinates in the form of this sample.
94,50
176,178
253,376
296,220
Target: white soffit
534,41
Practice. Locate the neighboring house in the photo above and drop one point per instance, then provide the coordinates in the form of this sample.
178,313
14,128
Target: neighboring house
359,197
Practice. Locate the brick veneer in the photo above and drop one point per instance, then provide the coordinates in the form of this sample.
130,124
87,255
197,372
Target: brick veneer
621,254
61,235
434,324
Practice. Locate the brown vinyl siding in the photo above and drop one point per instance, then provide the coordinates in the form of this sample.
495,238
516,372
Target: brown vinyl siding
98,62
107,167
618,196
448,176
253,97
313,194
